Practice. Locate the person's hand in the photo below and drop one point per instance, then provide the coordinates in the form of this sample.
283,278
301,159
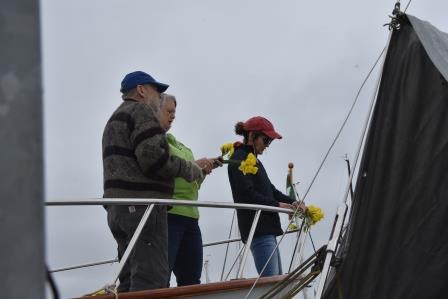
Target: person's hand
217,162
205,164
285,205
300,206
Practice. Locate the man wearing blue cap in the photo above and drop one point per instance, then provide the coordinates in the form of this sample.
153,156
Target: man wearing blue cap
137,164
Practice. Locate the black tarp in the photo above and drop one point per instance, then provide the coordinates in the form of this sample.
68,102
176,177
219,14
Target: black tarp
397,240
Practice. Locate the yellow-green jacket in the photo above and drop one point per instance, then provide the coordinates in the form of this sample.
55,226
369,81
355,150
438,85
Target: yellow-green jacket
182,188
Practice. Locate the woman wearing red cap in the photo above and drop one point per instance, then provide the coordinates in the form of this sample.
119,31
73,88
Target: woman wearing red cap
256,188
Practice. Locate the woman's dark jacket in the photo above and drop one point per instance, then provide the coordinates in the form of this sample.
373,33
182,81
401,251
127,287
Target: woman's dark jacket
255,189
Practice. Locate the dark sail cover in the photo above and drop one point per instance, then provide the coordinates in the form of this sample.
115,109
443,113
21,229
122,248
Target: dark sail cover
397,241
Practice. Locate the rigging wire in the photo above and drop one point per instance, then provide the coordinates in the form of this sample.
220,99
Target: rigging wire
324,159
329,150
339,133
393,26
320,166
343,123
348,116
409,2
342,211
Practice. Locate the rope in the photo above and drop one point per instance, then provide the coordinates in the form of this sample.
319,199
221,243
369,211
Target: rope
112,289
314,262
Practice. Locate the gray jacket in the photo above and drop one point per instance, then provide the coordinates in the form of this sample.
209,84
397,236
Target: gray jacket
136,158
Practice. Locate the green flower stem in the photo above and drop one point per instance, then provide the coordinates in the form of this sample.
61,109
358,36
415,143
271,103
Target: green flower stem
231,161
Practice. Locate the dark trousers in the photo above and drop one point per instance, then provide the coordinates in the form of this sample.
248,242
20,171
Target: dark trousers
185,249
147,265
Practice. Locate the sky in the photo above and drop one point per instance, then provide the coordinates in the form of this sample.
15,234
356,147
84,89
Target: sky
297,63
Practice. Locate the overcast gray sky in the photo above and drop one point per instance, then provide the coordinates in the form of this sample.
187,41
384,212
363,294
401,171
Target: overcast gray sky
298,63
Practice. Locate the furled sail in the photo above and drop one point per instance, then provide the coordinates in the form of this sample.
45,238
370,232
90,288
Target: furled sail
396,245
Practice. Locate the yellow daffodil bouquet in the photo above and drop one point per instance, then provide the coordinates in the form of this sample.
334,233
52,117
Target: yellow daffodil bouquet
227,150
247,166
311,216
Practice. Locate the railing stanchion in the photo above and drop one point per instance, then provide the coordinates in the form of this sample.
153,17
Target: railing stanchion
234,262
248,243
134,238
227,247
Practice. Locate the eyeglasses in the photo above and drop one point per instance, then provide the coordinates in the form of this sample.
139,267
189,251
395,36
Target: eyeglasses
267,140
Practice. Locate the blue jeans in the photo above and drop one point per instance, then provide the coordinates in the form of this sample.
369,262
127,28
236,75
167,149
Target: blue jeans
262,248
185,249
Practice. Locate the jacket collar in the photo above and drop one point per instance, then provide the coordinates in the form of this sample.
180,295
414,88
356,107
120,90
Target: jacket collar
246,148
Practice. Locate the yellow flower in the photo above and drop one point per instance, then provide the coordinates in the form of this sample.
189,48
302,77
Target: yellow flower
314,213
251,159
292,226
227,149
248,165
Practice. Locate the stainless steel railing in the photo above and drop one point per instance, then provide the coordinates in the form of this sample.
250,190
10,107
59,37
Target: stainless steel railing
150,203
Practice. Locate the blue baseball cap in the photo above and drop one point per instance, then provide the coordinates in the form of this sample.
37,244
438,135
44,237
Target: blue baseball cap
133,79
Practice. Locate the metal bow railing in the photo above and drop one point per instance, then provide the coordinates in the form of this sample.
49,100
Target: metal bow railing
150,203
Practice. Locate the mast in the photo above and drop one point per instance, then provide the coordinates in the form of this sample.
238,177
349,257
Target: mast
21,159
